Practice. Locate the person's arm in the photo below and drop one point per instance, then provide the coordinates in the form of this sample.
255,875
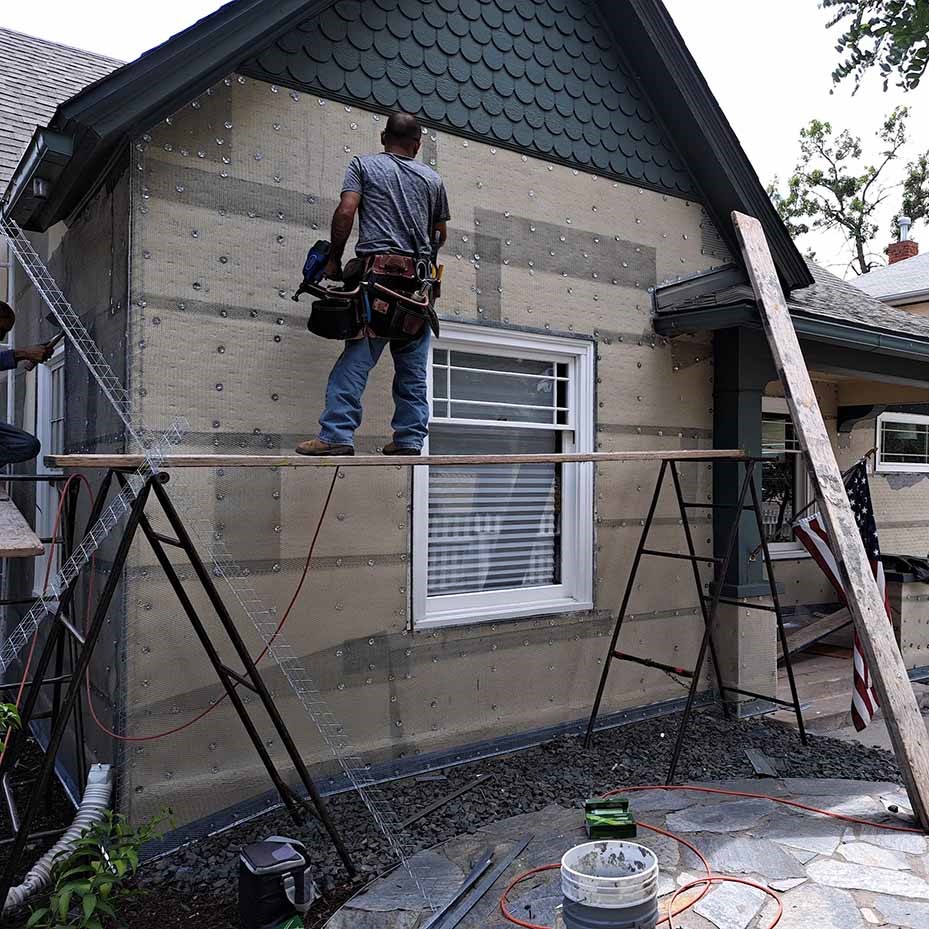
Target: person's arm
342,222
440,218
36,354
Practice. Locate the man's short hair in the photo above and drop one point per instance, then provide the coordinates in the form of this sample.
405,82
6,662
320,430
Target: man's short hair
7,316
403,127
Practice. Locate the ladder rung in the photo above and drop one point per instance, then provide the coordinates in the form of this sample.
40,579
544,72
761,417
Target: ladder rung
744,603
671,669
239,678
166,540
680,556
717,506
766,697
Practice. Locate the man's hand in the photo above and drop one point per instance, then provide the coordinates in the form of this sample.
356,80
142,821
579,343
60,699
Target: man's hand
33,354
333,270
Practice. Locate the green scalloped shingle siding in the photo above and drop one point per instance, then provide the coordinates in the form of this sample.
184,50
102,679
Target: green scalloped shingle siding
544,76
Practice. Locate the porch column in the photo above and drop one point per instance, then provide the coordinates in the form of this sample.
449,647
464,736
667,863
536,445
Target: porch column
745,638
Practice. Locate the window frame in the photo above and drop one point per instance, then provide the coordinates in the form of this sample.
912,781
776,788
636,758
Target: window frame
46,496
782,551
897,467
575,591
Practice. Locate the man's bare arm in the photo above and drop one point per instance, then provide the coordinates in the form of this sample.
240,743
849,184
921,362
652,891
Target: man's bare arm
342,222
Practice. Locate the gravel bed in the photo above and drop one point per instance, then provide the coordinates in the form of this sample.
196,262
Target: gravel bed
559,771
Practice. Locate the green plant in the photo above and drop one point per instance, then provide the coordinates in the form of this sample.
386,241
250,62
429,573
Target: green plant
9,719
91,881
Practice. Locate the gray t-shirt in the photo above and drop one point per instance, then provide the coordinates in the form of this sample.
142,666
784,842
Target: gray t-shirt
401,201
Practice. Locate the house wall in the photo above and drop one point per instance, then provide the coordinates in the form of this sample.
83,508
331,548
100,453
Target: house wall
900,499
227,197
921,308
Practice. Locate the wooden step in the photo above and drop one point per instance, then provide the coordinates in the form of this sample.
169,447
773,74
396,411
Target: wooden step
17,540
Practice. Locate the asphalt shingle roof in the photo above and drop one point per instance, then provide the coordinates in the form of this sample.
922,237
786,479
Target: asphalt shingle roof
35,76
902,277
834,298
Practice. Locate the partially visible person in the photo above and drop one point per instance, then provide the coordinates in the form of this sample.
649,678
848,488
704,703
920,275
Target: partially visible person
16,445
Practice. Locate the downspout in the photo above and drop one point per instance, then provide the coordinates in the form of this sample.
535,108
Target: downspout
92,810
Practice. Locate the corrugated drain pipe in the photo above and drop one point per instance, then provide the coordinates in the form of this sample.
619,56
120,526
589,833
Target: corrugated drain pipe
93,806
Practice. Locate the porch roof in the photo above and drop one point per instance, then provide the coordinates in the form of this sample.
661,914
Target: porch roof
840,327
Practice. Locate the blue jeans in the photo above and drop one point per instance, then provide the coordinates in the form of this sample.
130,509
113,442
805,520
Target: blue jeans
347,381
16,446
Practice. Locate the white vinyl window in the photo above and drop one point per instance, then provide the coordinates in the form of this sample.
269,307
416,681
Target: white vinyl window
785,485
508,540
50,431
902,442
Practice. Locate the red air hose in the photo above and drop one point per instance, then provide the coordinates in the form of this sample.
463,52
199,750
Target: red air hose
207,710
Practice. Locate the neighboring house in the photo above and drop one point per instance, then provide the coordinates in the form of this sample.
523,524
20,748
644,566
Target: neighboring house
904,280
586,162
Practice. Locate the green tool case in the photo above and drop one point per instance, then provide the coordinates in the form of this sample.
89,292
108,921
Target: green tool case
609,819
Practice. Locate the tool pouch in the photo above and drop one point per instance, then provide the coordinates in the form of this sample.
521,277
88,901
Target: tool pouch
334,319
392,317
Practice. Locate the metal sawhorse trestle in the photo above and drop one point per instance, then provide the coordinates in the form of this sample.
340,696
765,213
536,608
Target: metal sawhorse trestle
60,627
709,604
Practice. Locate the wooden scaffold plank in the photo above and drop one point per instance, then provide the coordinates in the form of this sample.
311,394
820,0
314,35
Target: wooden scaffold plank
17,540
898,702
383,461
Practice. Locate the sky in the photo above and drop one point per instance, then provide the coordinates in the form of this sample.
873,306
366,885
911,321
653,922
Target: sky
770,73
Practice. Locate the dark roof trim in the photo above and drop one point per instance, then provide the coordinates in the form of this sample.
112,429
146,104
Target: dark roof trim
114,109
813,328
707,141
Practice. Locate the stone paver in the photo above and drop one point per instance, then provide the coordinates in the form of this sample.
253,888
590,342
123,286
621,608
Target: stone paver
731,906
858,877
829,874
873,856
907,913
719,817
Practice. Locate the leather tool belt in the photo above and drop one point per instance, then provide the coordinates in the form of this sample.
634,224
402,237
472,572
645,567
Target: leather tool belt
389,295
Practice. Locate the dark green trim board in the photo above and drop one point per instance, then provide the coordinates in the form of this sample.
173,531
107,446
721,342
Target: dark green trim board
598,72
742,367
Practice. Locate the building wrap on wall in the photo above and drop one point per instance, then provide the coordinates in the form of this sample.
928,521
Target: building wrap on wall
226,197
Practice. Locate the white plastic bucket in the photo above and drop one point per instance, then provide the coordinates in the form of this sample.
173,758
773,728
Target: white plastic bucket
610,883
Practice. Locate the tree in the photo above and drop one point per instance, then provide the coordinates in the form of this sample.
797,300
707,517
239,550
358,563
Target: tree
831,189
915,202
892,35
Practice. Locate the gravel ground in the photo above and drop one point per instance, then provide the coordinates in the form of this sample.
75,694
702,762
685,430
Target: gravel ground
197,884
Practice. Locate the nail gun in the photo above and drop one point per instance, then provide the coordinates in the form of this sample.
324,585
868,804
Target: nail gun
313,267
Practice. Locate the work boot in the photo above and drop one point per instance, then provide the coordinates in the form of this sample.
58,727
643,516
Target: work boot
319,447
391,448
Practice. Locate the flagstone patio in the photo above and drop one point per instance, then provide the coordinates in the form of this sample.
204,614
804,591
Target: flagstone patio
830,874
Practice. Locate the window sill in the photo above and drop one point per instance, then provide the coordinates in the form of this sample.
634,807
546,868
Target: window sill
528,610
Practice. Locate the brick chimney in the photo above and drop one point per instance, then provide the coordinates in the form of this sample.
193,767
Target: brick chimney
905,247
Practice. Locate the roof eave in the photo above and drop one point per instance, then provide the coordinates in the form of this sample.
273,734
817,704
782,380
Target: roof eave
113,110
45,160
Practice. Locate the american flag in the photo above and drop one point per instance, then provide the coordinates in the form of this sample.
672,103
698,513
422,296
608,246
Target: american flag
812,534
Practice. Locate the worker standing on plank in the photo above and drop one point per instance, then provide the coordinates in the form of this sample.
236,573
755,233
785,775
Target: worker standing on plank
403,209
16,445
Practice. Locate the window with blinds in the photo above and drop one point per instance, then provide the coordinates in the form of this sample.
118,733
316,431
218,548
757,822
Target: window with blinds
495,535
902,442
